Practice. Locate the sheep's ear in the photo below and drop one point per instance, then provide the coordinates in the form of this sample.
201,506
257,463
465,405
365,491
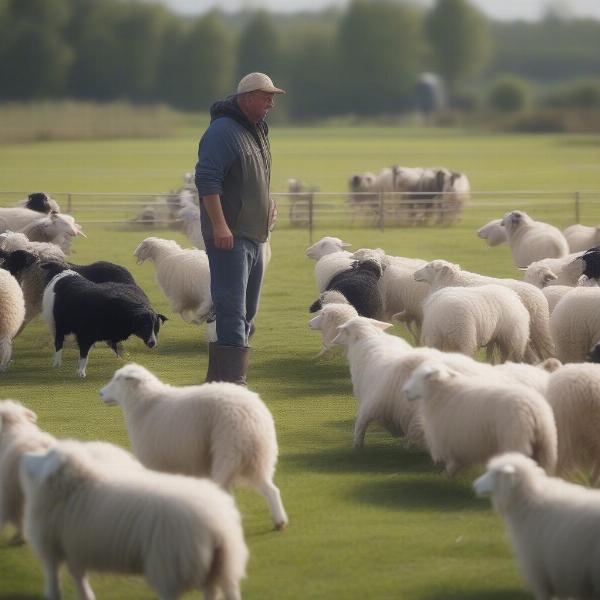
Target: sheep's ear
315,322
382,325
548,276
508,470
346,245
31,415
342,335
79,231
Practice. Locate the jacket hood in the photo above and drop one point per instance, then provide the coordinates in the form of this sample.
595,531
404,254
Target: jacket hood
230,108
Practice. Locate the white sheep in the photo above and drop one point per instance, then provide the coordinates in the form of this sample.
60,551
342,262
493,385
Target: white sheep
331,259
554,294
581,237
460,319
531,240
12,313
181,533
12,240
470,418
493,233
335,312
400,292
552,526
54,228
18,434
224,431
574,394
188,214
15,218
456,193
441,273
566,270
183,276
575,324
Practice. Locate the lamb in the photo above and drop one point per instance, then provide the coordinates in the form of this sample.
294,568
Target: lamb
581,237
12,313
359,285
55,228
468,419
441,273
573,394
41,202
182,275
556,271
223,431
336,310
531,240
493,233
464,319
18,434
179,532
552,526
11,241
331,259
575,324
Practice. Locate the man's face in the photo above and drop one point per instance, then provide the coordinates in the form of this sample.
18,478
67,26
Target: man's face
259,103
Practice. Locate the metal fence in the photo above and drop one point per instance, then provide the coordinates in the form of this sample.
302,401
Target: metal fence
312,210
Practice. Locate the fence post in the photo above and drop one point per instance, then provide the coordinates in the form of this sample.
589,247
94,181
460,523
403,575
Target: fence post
310,218
69,204
381,212
577,207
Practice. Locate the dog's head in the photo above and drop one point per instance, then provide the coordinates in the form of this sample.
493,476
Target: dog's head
147,324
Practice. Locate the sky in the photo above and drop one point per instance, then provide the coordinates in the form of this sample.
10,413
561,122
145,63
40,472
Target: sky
498,9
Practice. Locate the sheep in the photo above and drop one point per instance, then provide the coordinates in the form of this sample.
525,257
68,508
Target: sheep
363,193
359,285
18,434
456,192
179,532
531,240
55,228
554,294
469,418
493,233
552,526
464,319
581,237
575,324
11,241
441,273
40,202
400,293
336,310
331,259
551,271
573,392
15,218
182,275
223,430
12,313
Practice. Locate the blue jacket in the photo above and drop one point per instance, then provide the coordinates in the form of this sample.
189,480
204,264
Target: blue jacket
234,161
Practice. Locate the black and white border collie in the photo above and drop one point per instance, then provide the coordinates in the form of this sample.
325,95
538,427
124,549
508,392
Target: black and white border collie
42,203
95,312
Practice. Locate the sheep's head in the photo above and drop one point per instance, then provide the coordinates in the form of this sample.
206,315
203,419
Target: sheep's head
19,260
376,254
362,182
513,220
126,380
357,328
493,233
326,245
434,270
429,372
146,249
14,415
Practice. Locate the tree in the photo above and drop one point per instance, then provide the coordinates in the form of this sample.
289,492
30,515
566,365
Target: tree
34,58
509,94
378,52
259,47
459,37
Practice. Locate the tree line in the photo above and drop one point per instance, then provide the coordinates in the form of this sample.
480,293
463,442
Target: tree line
363,60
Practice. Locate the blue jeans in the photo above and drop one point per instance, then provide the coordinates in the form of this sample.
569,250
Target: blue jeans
235,280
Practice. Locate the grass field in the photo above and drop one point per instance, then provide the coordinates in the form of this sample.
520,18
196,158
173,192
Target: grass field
380,523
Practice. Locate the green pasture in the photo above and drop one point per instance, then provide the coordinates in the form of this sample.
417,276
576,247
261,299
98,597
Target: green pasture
381,523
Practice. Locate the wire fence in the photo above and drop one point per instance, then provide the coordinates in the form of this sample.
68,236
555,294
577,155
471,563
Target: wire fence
319,210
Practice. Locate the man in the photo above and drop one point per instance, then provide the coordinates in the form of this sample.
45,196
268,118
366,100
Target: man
232,176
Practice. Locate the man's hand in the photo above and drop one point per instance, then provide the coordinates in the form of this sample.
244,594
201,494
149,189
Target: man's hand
223,237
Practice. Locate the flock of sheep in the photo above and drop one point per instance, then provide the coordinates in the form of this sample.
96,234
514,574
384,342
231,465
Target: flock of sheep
164,511
534,421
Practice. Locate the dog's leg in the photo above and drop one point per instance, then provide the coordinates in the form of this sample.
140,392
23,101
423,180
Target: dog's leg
59,340
84,350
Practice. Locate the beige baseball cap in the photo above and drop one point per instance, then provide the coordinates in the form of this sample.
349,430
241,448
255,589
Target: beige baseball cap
257,81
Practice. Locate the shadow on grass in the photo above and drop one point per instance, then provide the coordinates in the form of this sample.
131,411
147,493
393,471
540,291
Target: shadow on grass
12,596
481,595
428,492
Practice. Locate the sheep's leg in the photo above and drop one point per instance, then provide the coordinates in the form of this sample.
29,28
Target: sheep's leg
452,467
531,356
5,353
59,340
273,497
360,429
82,585
231,591
51,582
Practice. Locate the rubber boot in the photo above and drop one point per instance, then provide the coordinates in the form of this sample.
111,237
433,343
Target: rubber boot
233,363
212,373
